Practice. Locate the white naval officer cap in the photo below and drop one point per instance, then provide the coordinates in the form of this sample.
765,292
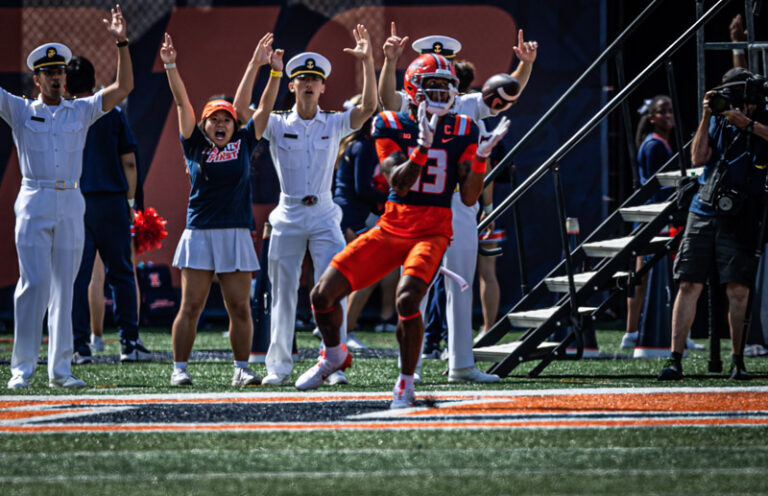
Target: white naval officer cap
308,63
442,45
48,56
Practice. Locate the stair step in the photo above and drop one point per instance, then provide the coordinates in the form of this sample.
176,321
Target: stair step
534,318
643,213
670,178
499,352
559,284
610,247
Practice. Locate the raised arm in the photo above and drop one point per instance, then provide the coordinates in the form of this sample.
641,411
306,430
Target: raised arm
268,97
128,161
364,52
117,91
701,151
393,48
245,88
526,52
183,106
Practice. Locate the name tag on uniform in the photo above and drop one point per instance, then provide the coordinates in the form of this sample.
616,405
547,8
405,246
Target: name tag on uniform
292,136
38,119
324,137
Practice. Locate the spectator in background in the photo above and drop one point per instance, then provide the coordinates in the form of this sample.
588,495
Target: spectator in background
217,237
49,134
108,183
361,191
738,34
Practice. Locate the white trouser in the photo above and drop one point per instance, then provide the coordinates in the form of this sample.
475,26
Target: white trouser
461,258
294,228
49,243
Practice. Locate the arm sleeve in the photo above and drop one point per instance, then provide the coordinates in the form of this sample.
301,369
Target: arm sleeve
471,149
126,141
345,127
94,107
250,135
364,161
9,106
474,106
189,145
270,129
384,138
404,104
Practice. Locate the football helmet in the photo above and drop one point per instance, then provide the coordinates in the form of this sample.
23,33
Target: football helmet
424,67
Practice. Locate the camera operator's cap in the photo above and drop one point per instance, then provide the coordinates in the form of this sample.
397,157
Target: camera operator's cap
442,45
736,74
308,63
219,104
49,55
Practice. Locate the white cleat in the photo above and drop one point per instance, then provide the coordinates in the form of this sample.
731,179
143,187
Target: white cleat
245,377
353,343
275,379
629,341
67,382
181,377
337,378
402,397
97,343
471,374
315,377
18,382
692,345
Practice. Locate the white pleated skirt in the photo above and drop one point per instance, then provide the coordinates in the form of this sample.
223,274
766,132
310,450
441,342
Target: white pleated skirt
219,250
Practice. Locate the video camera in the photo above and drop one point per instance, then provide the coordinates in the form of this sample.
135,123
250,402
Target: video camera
731,95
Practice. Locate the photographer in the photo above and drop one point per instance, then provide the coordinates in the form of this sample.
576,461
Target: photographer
725,215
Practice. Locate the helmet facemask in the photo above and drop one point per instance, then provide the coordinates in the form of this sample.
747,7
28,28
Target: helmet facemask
439,100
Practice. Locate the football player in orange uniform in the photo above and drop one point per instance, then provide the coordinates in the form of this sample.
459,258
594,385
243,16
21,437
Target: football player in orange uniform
426,153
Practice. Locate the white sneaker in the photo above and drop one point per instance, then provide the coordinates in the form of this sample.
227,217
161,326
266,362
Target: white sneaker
314,377
18,382
245,377
353,343
181,377
97,343
67,382
417,377
316,333
471,374
629,341
275,379
692,345
402,397
337,378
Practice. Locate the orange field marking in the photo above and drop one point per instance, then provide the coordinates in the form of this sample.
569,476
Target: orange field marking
616,408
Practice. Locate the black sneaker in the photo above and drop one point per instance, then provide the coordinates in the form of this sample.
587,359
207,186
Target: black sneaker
739,373
134,351
672,371
82,354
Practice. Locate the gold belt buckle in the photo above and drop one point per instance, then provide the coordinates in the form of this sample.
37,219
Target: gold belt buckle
61,185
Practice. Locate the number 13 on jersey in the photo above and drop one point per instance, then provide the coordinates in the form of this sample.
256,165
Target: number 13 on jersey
436,173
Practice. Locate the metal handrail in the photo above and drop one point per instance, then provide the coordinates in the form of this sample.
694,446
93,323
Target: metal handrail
602,113
619,41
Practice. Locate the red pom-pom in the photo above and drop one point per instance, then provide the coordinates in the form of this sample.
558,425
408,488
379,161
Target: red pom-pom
150,230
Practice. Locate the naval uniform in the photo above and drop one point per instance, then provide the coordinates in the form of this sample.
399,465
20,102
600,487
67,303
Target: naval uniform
461,255
49,223
304,153
107,226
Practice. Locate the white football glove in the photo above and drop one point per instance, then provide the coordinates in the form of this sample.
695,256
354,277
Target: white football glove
426,127
488,140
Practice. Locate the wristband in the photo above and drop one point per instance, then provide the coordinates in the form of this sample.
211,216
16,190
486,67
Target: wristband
121,44
478,165
274,73
488,209
131,202
418,157
169,66
738,51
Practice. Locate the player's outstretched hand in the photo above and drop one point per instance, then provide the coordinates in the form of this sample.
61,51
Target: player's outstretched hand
276,60
426,126
488,140
394,45
167,51
116,27
526,51
263,50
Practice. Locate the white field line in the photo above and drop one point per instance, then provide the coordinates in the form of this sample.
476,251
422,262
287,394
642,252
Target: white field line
421,394
444,472
373,451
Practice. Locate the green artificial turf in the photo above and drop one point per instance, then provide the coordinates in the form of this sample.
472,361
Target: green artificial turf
615,461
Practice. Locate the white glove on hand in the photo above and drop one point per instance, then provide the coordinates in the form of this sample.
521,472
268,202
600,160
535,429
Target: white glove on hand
426,128
488,140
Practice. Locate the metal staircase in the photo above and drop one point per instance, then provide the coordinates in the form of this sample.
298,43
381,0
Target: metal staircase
585,294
